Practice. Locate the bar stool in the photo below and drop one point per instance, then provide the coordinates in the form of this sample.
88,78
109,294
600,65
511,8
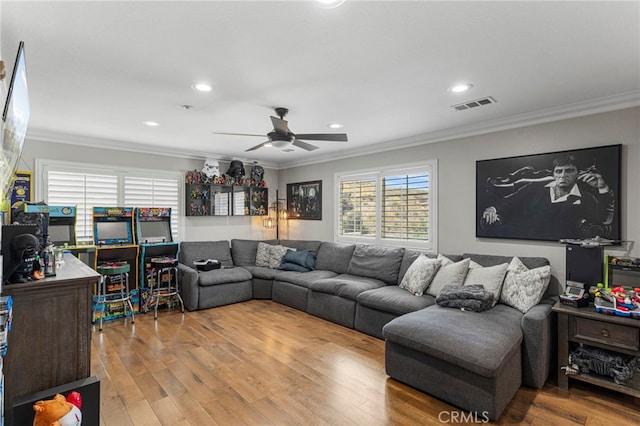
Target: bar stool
111,273
166,282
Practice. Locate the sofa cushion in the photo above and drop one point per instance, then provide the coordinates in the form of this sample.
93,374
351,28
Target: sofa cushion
223,276
523,287
375,261
393,299
191,251
244,251
451,274
482,342
490,277
346,285
262,272
303,279
407,260
334,257
419,275
302,245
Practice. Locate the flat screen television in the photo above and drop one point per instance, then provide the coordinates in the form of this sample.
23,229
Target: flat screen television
155,231
113,232
15,122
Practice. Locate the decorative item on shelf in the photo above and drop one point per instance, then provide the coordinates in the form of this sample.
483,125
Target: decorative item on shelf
277,212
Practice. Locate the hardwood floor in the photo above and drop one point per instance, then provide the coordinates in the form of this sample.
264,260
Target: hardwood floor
262,363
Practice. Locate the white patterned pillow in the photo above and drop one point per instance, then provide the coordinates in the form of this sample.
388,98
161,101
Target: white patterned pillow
419,275
490,277
270,256
452,274
523,288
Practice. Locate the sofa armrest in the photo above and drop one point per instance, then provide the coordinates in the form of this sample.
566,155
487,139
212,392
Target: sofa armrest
539,332
188,279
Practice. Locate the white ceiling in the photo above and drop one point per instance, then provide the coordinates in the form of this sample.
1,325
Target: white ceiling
97,70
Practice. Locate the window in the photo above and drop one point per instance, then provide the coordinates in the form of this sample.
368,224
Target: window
86,186
390,207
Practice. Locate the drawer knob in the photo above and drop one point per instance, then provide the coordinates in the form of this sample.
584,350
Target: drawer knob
604,333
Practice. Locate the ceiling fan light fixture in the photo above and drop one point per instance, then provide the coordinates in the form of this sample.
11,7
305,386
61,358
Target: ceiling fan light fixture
201,87
460,88
281,144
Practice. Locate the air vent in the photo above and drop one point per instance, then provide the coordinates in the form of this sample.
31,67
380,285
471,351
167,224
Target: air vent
473,104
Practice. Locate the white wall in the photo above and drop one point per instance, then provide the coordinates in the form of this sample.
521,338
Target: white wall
195,228
457,181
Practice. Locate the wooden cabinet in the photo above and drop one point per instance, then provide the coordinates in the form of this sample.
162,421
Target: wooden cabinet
584,326
50,340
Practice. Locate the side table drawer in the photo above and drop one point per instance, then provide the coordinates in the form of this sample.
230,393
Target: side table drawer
614,335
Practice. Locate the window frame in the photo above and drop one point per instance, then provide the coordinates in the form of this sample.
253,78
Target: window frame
43,166
428,166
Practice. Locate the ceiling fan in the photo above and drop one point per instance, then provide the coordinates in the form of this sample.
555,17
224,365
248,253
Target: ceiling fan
281,137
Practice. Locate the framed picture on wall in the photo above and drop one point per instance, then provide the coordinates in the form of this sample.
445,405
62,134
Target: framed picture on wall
304,200
571,194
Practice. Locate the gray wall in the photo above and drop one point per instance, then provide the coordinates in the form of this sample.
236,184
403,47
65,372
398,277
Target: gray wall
456,188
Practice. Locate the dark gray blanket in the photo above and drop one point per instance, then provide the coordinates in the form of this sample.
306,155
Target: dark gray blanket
469,298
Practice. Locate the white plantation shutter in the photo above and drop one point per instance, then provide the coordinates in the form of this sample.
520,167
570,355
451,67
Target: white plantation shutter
357,206
391,207
150,192
405,206
88,185
84,191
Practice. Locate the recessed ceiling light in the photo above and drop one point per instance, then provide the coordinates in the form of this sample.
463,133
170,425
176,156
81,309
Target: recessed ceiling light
462,87
201,87
330,4
335,126
151,123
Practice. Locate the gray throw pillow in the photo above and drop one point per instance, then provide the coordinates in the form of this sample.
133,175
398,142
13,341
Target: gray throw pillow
419,275
452,274
490,277
523,288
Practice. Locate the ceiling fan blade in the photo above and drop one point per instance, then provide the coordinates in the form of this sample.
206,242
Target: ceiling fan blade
332,137
304,145
280,125
236,134
253,148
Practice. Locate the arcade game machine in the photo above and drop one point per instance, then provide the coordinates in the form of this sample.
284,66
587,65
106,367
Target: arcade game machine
158,252
62,233
115,247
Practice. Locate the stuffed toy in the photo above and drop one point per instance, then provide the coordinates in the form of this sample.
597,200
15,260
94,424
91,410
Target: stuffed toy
59,411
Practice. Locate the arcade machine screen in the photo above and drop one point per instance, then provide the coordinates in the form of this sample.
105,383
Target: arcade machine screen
116,232
156,231
60,235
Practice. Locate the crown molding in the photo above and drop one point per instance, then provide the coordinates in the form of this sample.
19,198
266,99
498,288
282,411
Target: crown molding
577,109
40,135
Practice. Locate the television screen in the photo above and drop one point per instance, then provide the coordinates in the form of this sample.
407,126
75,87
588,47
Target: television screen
112,231
60,235
16,120
155,231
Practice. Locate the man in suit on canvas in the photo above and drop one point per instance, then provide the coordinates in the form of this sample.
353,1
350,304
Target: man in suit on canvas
575,204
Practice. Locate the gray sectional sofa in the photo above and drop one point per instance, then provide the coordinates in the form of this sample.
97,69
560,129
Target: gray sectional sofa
474,360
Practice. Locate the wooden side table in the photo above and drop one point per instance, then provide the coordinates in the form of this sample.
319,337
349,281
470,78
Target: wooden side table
609,332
